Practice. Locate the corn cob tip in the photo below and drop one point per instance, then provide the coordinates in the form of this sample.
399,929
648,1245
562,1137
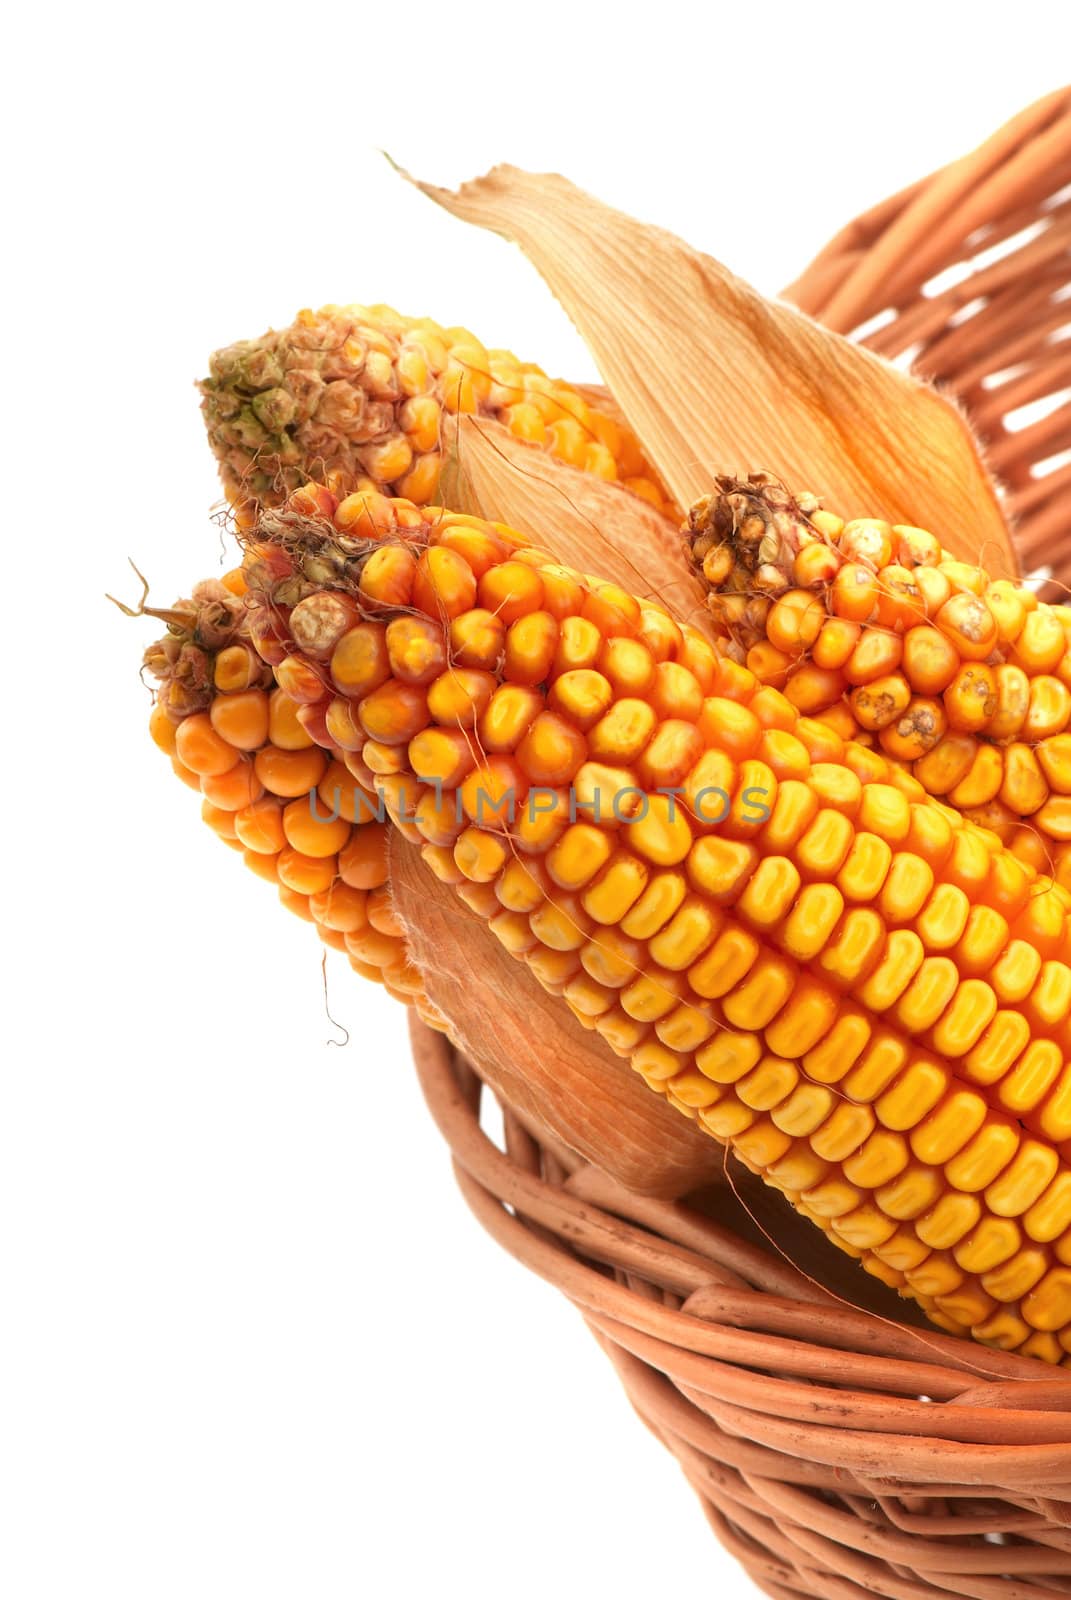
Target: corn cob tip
359,397
753,524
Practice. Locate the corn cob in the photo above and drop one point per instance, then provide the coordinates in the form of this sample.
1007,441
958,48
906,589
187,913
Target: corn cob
272,790
862,993
965,679
356,396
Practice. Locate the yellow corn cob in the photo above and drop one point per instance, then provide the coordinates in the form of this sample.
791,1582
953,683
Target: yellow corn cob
862,993
965,679
274,793
354,397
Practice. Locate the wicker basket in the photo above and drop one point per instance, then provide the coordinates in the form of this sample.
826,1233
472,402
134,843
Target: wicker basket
838,1452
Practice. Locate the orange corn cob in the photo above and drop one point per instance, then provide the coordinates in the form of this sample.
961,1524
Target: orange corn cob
272,792
355,396
965,679
862,993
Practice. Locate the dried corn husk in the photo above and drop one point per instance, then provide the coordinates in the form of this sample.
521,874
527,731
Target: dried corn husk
711,375
556,1073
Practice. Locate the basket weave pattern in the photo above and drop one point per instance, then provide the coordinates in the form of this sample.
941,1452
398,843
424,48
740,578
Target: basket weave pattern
914,278
837,1453
797,1420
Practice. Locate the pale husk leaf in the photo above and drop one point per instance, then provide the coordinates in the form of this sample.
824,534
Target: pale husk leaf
528,1046
583,521
713,377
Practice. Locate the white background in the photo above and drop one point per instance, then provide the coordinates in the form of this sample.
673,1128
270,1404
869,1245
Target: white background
253,1342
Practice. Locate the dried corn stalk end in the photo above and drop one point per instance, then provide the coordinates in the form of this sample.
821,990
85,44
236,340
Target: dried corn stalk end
858,990
274,783
359,397
740,540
